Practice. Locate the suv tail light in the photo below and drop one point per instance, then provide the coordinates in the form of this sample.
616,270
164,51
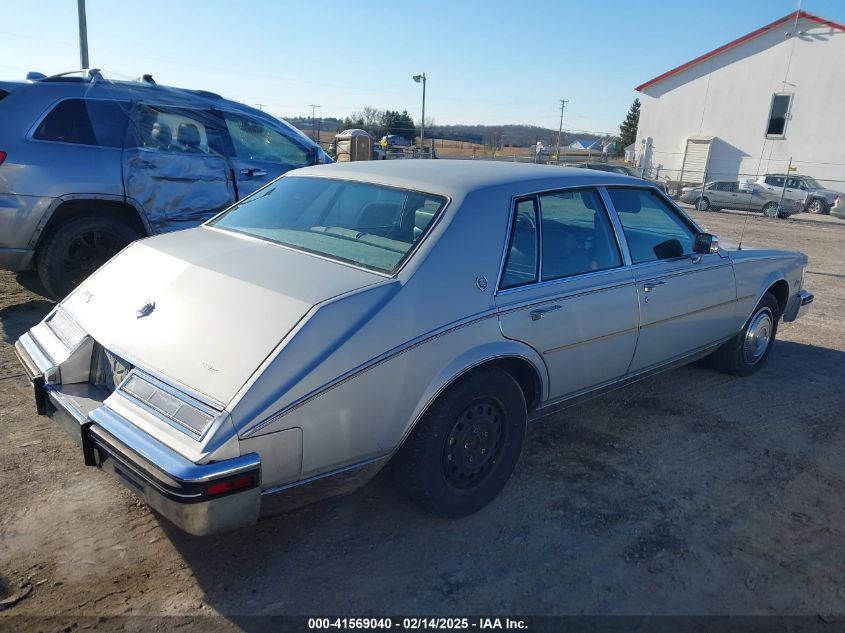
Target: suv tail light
2,156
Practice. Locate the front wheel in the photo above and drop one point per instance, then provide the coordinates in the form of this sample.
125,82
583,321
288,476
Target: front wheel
78,247
747,352
464,449
817,205
771,209
702,204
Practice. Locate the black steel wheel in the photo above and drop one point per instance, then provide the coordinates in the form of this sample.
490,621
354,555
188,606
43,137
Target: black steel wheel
464,449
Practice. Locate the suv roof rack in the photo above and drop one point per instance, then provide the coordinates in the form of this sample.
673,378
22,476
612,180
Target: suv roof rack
88,74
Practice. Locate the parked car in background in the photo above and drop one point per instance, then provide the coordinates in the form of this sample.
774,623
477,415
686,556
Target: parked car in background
814,197
88,164
838,208
731,194
394,140
623,170
279,352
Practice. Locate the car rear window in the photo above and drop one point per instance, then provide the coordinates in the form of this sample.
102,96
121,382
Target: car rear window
85,122
371,226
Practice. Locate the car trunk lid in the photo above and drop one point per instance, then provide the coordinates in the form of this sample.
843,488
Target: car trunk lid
205,307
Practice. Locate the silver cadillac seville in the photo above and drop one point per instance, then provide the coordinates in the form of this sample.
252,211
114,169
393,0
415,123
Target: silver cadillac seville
417,312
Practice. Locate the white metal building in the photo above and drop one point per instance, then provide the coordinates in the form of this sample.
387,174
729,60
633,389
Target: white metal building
745,108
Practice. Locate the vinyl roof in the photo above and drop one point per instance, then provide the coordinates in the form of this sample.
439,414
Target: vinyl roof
795,15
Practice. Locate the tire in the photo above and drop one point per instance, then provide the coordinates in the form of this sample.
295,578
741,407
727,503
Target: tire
748,351
76,248
483,412
817,206
702,204
770,209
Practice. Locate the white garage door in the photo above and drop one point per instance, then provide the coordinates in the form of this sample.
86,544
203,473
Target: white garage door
696,156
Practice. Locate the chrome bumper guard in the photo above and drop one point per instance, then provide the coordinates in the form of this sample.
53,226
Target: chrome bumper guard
798,306
199,498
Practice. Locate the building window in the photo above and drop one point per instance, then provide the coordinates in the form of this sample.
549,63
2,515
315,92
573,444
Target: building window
778,115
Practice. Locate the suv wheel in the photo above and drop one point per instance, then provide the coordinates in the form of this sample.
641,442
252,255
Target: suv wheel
464,449
771,209
76,248
817,205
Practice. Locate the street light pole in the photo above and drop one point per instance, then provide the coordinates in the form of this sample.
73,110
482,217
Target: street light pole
313,126
418,78
83,34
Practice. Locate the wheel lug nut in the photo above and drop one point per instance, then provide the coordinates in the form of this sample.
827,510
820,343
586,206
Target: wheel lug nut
485,434
483,451
466,445
471,458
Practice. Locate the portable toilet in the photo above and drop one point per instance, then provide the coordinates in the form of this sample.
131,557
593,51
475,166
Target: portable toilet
353,145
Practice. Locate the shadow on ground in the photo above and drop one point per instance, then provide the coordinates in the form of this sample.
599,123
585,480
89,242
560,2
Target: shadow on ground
691,492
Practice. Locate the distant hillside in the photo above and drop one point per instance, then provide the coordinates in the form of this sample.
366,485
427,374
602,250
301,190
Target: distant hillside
486,135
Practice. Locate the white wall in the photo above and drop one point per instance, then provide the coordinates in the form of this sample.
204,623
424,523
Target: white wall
729,97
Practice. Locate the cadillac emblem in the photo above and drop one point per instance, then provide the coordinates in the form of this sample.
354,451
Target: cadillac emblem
146,310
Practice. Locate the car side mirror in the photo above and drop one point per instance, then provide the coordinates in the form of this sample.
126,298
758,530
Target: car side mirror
705,243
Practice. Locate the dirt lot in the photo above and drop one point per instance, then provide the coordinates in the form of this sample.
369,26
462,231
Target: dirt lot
690,493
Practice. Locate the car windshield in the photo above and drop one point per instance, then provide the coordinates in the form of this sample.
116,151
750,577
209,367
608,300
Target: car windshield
371,226
812,183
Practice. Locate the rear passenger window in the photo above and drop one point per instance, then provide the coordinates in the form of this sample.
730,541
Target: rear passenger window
577,236
181,130
86,122
521,263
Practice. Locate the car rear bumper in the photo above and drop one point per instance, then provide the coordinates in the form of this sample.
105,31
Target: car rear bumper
798,306
195,497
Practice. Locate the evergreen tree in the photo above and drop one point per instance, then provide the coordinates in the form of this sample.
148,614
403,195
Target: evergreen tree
628,129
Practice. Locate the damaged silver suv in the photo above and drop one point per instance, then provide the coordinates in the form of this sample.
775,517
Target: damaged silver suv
89,164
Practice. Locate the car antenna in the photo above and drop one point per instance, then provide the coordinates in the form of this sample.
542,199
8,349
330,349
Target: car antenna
742,233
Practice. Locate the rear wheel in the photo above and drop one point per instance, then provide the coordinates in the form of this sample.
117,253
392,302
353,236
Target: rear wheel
817,205
703,204
747,352
76,248
771,209
463,451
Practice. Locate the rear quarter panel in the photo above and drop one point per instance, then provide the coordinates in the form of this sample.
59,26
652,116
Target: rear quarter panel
758,270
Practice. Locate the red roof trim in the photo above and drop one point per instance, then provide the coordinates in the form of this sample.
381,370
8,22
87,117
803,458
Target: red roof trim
795,15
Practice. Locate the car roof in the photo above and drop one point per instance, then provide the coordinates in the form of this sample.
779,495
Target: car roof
460,177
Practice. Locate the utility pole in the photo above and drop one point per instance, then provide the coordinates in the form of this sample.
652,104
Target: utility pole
261,106
563,103
313,119
83,34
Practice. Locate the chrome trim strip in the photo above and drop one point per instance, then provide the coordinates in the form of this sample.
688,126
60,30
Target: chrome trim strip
686,314
370,364
164,458
66,405
331,473
565,280
591,340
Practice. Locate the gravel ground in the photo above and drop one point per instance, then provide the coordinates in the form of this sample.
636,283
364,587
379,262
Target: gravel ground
689,493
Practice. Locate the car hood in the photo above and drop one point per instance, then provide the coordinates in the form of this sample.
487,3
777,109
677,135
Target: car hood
222,303
829,194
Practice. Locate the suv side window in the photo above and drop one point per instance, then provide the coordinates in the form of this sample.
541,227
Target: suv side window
577,237
653,230
97,122
177,130
775,181
253,140
796,183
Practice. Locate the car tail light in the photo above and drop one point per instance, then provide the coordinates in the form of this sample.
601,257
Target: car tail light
2,156
230,485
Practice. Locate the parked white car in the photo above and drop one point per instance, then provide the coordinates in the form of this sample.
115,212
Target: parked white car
413,311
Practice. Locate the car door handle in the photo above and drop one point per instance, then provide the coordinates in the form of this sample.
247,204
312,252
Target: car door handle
651,285
252,172
537,314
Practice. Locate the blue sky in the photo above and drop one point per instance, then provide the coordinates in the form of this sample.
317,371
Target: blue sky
488,62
